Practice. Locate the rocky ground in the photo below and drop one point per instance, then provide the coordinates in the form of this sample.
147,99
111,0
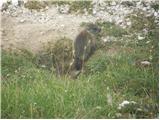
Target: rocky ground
31,29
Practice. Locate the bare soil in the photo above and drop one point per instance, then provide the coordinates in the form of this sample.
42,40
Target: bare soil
31,31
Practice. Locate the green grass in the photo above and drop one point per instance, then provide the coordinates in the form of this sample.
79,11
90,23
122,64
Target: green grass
110,29
113,74
35,5
31,92
75,6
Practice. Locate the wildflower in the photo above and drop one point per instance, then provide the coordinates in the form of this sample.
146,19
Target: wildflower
141,38
105,40
155,14
148,42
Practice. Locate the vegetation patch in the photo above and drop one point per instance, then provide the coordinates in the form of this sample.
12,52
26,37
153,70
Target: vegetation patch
32,92
35,5
56,56
81,6
140,21
30,87
110,29
75,6
155,6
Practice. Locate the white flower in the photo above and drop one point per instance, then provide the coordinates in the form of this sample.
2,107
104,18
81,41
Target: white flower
148,42
156,14
105,40
62,25
141,38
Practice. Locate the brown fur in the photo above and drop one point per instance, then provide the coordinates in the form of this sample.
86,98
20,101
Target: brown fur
84,46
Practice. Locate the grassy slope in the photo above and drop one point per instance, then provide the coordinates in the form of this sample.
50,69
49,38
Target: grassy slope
30,92
113,74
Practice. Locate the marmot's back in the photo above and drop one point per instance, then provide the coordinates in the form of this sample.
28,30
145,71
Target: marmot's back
85,45
80,43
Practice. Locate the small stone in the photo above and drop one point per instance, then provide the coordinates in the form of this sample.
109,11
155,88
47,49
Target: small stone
113,3
15,2
144,9
139,109
155,14
145,63
94,12
118,115
104,40
22,21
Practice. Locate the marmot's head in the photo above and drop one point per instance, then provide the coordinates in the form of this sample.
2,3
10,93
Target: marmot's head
93,28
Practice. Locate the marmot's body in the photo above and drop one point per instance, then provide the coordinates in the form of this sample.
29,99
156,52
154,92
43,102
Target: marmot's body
85,45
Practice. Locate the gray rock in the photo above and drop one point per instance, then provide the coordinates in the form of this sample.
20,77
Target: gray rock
146,63
22,21
113,3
